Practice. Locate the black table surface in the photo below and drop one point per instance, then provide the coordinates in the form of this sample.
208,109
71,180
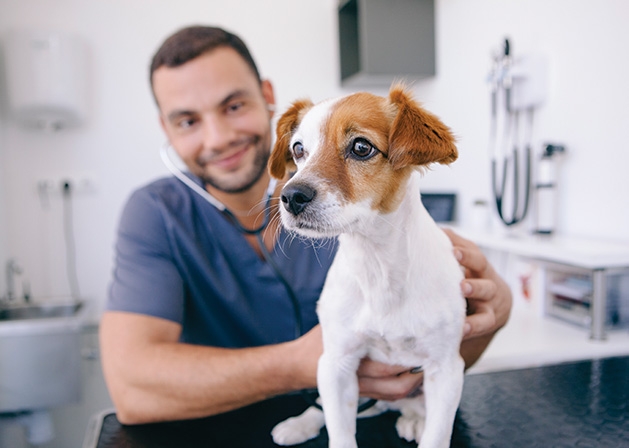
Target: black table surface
580,404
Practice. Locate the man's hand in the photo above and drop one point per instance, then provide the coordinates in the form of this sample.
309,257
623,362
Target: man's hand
390,383
488,297
375,379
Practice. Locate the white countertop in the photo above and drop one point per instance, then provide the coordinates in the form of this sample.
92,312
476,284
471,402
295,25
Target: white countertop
580,252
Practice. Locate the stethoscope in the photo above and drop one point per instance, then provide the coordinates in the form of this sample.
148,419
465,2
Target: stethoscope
257,232
501,80
176,171
299,326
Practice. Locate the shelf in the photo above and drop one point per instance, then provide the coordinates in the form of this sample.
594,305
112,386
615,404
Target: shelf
580,276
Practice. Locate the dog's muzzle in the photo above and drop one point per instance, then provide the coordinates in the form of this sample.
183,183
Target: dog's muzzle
295,198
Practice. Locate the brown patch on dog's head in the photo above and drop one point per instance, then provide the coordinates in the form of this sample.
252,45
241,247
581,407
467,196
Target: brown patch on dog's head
417,137
358,116
281,160
404,135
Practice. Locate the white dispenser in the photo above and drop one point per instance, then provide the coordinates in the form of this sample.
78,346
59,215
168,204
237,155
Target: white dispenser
546,190
46,78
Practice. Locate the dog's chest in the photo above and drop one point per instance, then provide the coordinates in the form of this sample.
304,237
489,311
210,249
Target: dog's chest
384,322
390,315
402,336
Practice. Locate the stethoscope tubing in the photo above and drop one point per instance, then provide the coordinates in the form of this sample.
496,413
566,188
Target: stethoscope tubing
175,171
511,134
309,396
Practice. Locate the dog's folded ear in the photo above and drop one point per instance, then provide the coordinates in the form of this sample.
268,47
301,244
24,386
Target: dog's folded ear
417,137
281,159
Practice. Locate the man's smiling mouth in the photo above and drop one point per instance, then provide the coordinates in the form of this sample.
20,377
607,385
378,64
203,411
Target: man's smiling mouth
228,158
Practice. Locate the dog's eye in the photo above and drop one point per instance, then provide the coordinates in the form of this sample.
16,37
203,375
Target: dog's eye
362,149
298,150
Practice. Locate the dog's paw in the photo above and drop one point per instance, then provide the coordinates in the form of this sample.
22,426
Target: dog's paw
410,427
298,429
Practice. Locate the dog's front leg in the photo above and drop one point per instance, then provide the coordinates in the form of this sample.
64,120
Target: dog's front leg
443,385
338,388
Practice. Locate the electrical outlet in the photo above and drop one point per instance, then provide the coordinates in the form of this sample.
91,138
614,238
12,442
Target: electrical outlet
59,184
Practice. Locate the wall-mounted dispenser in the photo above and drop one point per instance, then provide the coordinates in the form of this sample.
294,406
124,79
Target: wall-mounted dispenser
46,78
546,189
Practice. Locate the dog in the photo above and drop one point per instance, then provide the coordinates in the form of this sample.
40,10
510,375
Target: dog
393,291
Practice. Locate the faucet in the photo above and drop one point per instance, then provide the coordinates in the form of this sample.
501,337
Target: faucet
12,269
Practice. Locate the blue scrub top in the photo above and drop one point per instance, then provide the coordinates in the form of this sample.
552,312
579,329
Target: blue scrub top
179,258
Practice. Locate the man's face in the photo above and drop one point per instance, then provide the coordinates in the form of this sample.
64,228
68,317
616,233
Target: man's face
214,112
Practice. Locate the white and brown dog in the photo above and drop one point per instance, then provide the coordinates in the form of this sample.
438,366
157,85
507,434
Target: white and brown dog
393,291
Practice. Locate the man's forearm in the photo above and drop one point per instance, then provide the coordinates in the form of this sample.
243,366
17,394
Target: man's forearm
166,380
178,381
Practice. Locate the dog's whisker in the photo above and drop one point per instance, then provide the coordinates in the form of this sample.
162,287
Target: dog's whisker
276,223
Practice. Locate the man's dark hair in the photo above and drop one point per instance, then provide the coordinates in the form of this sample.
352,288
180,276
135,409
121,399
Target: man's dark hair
191,42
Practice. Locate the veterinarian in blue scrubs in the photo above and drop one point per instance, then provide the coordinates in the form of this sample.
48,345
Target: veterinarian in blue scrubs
198,322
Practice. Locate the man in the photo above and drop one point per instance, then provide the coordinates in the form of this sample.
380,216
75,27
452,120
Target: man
198,322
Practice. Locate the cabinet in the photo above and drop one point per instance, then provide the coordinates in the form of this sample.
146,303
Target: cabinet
582,276
570,294
385,41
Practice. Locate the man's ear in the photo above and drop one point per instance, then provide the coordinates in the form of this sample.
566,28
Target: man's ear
162,123
417,137
269,96
281,159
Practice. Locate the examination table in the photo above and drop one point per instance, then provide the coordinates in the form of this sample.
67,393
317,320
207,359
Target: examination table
579,404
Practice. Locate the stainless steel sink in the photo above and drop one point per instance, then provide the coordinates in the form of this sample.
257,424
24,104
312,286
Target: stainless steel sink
39,311
40,354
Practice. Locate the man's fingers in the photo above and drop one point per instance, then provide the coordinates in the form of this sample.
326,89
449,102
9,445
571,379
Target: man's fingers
373,369
467,253
457,240
386,382
390,388
479,289
481,322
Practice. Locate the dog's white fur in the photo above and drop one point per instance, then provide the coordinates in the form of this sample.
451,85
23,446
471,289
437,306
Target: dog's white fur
393,291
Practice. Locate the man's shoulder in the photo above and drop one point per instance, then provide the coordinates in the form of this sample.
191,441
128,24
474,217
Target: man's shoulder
162,185
165,190
153,199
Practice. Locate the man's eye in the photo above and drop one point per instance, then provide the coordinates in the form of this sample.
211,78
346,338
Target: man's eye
235,107
362,149
298,150
184,124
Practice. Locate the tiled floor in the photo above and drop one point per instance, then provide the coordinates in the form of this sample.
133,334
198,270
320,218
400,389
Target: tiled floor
530,340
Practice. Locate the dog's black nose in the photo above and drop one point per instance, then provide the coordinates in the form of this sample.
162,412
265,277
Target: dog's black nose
296,197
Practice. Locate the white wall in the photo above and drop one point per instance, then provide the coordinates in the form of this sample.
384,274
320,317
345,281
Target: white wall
3,211
295,45
3,208
583,41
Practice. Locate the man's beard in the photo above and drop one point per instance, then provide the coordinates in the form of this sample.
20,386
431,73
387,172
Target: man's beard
252,176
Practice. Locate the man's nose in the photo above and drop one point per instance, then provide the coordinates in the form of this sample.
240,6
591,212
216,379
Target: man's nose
217,133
